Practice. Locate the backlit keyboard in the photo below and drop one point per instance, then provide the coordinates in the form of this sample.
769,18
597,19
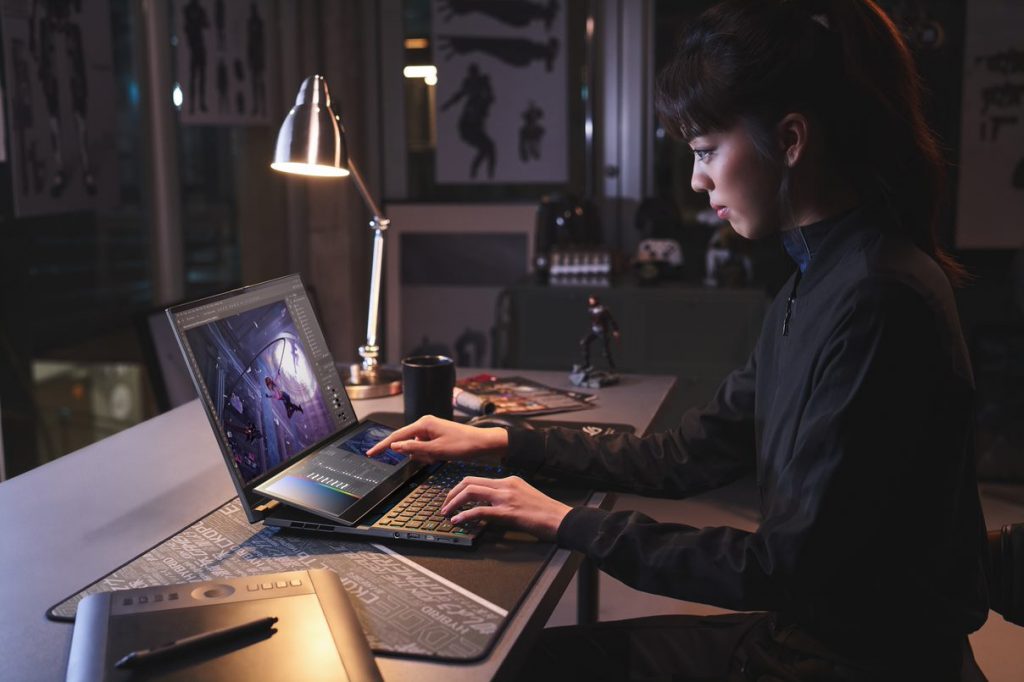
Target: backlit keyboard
421,509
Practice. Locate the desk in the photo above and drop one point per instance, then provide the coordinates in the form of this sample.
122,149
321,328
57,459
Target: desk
71,521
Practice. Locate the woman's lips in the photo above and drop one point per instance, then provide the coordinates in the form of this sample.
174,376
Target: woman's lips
722,211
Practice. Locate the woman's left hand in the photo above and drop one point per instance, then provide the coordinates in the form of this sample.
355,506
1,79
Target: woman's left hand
509,500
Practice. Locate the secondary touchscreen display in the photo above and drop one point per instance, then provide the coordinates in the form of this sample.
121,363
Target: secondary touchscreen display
335,478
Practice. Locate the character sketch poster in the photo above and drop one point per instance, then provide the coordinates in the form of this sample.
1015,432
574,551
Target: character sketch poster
225,69
59,83
990,211
502,91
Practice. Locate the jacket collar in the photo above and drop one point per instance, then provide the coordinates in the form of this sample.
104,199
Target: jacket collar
828,242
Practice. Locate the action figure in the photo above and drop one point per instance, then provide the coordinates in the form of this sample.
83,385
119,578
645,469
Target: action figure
604,327
286,400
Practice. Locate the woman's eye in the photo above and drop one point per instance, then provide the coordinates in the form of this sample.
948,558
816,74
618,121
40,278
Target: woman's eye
702,154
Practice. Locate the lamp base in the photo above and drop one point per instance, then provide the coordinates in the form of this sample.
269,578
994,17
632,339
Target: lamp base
378,383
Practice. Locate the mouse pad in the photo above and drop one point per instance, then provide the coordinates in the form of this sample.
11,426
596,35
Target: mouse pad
404,607
418,602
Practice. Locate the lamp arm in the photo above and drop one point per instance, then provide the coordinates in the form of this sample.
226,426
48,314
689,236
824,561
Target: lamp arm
378,215
371,351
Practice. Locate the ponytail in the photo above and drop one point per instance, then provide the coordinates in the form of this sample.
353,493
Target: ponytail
880,68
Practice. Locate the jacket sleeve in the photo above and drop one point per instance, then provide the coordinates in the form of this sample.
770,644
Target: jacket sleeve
711,447
868,406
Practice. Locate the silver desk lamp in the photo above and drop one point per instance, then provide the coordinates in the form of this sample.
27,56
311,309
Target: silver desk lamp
312,142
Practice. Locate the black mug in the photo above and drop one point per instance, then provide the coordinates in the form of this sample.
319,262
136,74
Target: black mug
427,384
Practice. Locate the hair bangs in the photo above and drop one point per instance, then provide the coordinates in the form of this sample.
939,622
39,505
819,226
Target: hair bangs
690,98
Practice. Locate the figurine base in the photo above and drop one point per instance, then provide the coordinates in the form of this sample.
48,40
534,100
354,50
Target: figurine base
588,377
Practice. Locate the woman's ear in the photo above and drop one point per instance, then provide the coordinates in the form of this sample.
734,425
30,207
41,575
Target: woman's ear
793,132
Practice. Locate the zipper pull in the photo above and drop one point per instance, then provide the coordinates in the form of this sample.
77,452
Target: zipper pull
789,305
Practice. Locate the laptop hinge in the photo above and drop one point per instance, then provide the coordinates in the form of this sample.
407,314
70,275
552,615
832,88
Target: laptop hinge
266,506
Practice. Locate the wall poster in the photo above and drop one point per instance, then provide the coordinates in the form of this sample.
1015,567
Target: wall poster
990,211
225,71
502,91
60,105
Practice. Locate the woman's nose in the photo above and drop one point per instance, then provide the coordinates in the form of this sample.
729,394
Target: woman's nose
700,181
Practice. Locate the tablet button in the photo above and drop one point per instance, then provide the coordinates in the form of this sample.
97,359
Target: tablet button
213,592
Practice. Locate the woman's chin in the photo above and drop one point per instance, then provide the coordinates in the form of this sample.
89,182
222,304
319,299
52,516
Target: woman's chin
752,231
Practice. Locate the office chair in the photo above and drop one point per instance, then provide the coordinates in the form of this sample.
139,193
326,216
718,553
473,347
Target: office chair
1006,572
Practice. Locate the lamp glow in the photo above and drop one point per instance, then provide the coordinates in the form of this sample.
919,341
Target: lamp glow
309,169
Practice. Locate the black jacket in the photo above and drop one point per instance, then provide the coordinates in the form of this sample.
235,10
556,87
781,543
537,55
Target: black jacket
857,419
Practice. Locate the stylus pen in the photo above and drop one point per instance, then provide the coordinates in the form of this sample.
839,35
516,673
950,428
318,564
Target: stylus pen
202,639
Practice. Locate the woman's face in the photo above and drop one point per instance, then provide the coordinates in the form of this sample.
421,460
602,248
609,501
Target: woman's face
742,186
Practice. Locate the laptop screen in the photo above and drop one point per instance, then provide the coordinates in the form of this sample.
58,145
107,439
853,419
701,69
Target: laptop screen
261,364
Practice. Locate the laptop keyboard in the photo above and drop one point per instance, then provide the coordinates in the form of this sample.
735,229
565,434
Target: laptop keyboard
421,509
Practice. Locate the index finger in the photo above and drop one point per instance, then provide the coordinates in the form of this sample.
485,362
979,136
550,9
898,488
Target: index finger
407,432
467,481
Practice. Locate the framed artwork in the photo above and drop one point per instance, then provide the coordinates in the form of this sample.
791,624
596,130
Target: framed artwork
59,82
227,74
502,91
445,265
990,207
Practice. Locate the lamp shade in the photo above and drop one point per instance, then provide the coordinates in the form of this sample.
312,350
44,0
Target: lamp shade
311,140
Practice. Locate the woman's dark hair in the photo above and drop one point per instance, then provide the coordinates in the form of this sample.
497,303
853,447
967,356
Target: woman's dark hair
844,65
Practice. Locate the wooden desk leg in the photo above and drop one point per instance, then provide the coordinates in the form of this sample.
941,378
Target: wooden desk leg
586,593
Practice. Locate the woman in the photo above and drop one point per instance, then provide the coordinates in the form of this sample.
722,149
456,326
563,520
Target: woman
854,410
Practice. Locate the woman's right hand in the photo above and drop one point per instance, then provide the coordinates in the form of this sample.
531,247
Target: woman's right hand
430,439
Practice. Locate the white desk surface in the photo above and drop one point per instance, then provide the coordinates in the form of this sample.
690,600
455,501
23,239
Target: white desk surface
72,521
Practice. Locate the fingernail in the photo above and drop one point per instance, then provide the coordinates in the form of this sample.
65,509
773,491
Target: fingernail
456,520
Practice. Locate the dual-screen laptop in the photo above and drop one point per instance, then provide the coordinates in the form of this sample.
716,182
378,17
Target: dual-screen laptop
286,428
